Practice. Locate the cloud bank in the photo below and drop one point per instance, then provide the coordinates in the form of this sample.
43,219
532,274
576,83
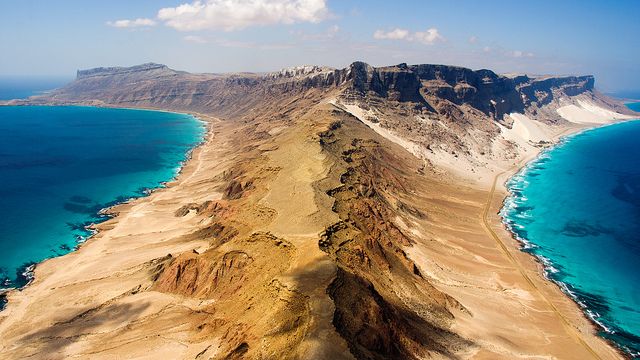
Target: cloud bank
230,15
395,34
429,37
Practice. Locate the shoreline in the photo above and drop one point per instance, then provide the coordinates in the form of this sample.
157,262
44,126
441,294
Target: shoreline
106,212
105,272
545,265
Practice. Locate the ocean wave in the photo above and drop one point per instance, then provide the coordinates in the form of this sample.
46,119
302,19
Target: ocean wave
548,265
28,274
595,317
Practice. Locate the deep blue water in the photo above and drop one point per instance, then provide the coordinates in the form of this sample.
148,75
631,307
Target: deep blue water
577,207
627,94
20,87
60,165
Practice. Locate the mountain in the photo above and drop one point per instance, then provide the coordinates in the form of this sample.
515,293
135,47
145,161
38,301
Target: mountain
471,106
427,85
331,213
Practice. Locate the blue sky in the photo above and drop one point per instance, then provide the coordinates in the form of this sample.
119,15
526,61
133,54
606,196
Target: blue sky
536,37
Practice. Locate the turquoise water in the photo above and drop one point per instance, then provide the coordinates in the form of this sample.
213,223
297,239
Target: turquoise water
60,165
577,208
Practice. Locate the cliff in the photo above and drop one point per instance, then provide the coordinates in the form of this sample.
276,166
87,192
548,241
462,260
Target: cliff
144,71
426,85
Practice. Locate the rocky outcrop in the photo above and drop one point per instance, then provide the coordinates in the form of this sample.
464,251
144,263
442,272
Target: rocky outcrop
541,90
377,318
145,70
492,94
235,189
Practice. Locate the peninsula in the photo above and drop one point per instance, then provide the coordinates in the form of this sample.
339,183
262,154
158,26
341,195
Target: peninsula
330,214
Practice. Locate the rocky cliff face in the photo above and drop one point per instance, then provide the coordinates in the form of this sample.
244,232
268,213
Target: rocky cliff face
144,70
540,90
428,86
492,94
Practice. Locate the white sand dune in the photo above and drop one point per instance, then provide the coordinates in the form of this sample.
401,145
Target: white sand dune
528,129
589,113
459,165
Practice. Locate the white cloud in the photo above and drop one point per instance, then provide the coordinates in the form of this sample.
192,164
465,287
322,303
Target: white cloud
140,22
429,37
395,34
230,15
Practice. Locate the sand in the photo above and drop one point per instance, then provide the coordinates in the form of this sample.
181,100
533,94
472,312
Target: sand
529,130
367,115
517,313
106,270
99,302
460,166
588,113
463,249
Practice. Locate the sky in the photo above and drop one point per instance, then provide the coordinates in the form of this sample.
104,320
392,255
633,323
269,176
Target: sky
57,37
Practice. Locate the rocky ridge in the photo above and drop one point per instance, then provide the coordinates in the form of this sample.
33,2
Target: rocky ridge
492,94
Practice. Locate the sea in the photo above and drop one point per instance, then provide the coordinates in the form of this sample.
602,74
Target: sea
61,165
577,209
20,87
